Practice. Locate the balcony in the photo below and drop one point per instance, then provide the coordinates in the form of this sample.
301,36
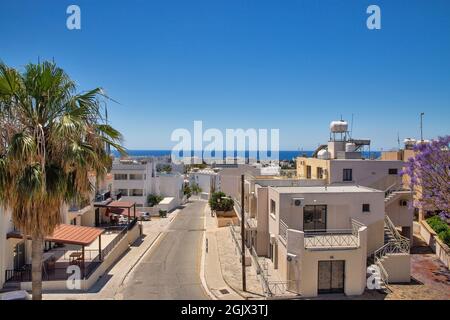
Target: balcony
341,239
80,207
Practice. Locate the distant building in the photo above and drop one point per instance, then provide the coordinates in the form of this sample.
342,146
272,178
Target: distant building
135,179
207,179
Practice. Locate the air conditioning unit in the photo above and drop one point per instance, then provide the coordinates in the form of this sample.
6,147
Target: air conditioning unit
298,202
290,257
403,203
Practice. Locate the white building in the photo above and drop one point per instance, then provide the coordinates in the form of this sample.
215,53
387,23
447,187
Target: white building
135,179
207,179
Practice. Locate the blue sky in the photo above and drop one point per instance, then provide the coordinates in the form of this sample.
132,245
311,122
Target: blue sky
292,65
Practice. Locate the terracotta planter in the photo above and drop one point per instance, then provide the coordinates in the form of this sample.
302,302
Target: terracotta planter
227,214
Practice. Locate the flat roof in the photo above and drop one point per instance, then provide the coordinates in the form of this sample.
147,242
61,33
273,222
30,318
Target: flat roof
166,200
69,234
116,204
323,189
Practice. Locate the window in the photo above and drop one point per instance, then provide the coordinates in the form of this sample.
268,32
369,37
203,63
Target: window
393,171
319,173
272,206
123,192
136,192
120,176
366,207
308,172
136,177
348,175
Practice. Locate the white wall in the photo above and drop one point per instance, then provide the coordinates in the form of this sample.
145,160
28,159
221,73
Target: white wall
369,173
6,245
341,208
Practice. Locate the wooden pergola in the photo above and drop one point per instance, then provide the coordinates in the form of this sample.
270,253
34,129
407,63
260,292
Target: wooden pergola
71,234
120,205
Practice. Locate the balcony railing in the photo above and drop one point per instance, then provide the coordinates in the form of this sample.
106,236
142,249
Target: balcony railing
334,239
74,207
331,239
283,230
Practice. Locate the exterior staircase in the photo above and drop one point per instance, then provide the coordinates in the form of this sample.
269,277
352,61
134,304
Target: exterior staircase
394,193
394,243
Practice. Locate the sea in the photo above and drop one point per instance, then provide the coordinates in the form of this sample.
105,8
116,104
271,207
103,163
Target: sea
283,154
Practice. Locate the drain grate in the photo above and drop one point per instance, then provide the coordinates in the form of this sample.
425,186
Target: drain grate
224,291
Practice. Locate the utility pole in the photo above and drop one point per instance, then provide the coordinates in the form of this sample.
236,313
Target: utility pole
244,284
421,125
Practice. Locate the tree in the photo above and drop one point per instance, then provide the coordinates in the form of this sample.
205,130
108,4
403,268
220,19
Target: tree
51,139
187,191
165,168
196,188
220,202
153,200
429,175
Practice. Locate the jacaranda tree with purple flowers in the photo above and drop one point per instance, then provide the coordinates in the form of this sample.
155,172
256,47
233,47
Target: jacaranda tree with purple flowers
429,173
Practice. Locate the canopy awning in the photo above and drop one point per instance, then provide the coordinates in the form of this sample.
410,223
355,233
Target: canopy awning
117,204
68,234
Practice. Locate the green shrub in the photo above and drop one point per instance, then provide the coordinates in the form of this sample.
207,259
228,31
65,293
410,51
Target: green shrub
220,202
153,200
445,236
163,213
441,228
437,224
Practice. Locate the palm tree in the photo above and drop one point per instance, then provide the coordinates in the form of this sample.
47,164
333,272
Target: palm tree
51,139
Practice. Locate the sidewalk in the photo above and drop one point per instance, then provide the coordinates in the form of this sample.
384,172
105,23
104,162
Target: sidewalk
108,287
222,268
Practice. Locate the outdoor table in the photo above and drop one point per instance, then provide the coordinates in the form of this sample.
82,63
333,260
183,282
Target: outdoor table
75,257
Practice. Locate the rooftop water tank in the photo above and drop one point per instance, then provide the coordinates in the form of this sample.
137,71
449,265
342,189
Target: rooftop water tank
323,154
339,126
410,143
350,147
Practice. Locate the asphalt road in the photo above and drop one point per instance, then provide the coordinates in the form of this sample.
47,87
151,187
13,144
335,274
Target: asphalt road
171,270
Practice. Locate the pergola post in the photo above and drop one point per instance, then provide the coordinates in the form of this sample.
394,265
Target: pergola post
134,208
83,261
129,216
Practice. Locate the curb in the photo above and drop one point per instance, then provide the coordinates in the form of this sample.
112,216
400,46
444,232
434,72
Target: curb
202,265
202,271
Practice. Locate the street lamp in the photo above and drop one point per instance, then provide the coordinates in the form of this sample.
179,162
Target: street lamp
244,284
421,125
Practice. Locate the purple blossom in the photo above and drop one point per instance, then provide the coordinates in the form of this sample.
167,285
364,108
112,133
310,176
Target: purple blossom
429,173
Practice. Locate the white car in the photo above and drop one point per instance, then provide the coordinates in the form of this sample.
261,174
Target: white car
15,295
145,216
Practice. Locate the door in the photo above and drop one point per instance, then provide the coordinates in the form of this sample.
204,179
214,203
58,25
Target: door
331,276
19,256
315,218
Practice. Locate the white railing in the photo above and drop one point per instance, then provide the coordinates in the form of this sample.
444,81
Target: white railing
331,239
337,238
283,230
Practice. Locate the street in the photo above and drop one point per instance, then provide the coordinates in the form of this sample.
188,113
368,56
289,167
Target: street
171,270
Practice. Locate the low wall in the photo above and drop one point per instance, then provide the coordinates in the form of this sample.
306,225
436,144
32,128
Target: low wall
398,267
441,250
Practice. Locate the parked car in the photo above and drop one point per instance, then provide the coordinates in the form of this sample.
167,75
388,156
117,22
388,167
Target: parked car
15,295
145,216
